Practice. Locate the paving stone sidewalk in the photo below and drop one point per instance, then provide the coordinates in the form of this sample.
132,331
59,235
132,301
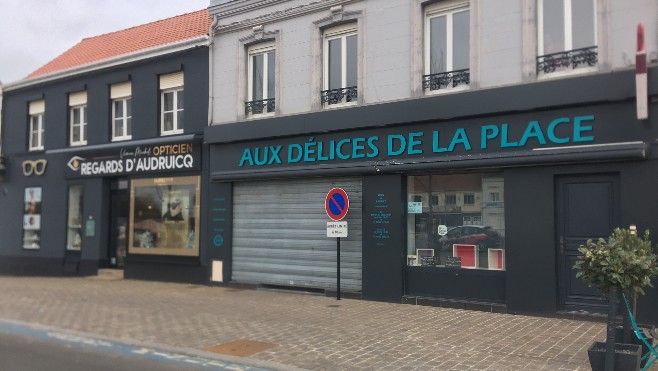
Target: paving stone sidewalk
307,331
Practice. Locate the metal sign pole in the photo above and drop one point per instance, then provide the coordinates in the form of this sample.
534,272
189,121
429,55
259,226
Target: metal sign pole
337,268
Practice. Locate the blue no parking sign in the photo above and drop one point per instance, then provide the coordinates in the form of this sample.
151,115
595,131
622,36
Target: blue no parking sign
337,204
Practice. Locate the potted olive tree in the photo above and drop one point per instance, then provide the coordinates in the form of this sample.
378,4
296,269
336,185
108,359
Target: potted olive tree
624,263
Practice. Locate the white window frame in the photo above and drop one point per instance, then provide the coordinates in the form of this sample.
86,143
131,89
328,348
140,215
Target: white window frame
568,36
333,33
171,83
255,50
124,119
177,126
38,120
36,116
82,124
447,9
121,93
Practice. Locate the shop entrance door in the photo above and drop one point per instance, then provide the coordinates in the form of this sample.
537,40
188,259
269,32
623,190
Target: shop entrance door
119,227
587,208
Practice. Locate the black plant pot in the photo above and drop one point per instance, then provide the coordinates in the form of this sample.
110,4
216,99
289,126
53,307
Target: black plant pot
627,356
619,338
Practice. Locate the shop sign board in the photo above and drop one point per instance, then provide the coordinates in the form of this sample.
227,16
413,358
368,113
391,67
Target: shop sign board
336,229
336,204
527,133
135,159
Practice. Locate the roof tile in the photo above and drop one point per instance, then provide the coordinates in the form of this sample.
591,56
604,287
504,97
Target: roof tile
146,36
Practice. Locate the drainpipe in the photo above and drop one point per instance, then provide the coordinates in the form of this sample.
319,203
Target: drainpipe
211,68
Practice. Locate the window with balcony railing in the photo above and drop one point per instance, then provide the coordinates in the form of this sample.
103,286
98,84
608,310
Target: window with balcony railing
566,36
261,80
340,71
447,54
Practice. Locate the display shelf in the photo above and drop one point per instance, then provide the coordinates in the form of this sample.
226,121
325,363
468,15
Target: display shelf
468,255
496,259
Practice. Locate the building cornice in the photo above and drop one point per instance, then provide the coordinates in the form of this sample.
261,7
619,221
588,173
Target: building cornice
237,7
292,12
111,62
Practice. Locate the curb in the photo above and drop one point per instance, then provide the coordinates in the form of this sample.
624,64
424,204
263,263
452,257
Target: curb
136,348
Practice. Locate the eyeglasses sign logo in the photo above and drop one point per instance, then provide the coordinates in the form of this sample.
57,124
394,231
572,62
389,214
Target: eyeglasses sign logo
37,167
74,163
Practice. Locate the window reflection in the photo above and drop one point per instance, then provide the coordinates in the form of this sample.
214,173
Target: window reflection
164,216
456,221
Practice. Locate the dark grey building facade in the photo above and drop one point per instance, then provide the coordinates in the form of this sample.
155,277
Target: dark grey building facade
104,167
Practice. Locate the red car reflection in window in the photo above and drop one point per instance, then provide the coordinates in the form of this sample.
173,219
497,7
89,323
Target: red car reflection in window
480,236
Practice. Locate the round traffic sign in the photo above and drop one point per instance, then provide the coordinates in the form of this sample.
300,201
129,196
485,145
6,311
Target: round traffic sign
337,204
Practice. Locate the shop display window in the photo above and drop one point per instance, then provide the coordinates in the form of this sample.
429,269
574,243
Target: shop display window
164,216
74,219
32,218
464,229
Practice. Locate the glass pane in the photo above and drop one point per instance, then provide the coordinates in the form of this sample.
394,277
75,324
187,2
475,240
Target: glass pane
118,108
118,128
34,132
168,121
582,12
180,120
129,108
352,55
179,99
129,126
76,116
271,64
74,220
84,115
335,62
438,45
32,217
34,139
459,227
553,17
75,137
257,77
168,101
164,218
460,41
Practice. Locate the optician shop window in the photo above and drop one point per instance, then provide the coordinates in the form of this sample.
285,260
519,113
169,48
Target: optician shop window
456,221
164,216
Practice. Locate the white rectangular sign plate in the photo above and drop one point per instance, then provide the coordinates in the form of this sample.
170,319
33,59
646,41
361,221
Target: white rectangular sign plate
336,229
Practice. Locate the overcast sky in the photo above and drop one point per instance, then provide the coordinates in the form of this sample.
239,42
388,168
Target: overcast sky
33,32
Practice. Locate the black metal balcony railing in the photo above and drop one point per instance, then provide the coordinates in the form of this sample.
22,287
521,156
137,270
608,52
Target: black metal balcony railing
342,95
442,80
256,107
568,59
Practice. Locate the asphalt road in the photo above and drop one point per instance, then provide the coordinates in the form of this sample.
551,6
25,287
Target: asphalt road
22,352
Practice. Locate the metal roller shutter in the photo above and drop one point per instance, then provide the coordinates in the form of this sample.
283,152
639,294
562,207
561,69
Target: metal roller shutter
280,234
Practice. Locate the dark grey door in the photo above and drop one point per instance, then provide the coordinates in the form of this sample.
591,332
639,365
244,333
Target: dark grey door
587,208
